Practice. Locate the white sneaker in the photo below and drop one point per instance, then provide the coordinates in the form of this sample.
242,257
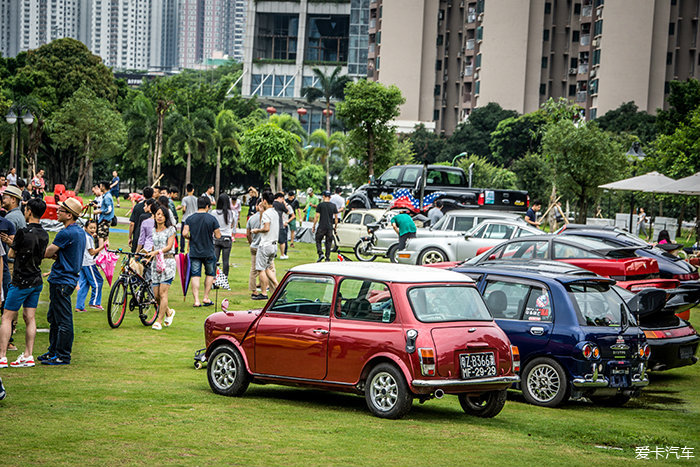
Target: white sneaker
23,362
284,257
3,362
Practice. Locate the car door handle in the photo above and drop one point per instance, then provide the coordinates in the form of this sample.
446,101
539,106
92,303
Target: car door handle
320,331
537,330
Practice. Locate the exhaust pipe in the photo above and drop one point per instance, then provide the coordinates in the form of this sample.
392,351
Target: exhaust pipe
439,394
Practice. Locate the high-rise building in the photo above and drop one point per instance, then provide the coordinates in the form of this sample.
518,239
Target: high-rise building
450,56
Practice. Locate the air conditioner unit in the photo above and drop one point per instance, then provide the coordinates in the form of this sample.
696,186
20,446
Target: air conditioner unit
480,17
596,42
572,71
593,73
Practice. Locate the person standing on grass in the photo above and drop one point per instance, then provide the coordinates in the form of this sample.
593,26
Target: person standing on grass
163,272
267,248
114,187
106,214
11,199
7,236
201,228
254,240
339,201
22,185
327,222
311,204
28,249
225,217
209,193
172,196
236,209
189,207
144,240
293,203
134,222
89,274
284,215
38,184
67,250
253,200
164,201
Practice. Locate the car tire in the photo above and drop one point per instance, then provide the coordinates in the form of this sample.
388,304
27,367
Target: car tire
386,392
391,253
618,400
544,383
226,372
432,256
360,255
486,405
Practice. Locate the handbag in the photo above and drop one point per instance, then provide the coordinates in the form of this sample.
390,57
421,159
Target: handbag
221,281
113,222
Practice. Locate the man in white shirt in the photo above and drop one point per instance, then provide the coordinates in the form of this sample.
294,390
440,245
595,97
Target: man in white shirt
267,249
339,202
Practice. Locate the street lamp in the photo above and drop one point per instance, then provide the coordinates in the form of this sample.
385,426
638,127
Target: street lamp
634,155
12,117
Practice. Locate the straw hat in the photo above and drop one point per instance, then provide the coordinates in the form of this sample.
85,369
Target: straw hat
73,206
13,190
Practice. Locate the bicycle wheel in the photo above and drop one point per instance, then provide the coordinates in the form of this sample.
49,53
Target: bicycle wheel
148,307
116,307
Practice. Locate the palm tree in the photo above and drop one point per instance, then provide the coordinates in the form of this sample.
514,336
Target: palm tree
226,132
330,87
292,125
324,146
181,139
141,123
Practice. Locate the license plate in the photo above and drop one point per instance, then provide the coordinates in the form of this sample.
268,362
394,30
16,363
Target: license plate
620,371
477,365
686,352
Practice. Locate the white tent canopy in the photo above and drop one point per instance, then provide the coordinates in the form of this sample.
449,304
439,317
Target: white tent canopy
684,186
652,182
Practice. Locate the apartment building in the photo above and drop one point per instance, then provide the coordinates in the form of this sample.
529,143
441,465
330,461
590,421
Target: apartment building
285,40
450,56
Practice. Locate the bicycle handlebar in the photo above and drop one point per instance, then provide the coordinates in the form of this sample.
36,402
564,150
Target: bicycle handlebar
122,252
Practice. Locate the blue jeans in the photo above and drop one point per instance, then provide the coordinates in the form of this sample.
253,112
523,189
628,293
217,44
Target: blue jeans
60,318
89,276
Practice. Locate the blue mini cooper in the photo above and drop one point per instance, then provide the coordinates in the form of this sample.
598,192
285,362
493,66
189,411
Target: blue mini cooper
576,335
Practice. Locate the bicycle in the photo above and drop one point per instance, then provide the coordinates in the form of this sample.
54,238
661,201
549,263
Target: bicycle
130,282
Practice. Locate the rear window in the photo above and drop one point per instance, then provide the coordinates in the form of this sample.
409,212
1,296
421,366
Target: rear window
597,304
443,303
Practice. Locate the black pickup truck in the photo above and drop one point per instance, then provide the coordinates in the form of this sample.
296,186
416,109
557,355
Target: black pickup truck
446,183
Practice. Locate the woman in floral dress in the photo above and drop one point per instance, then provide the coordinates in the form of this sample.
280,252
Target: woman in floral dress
162,277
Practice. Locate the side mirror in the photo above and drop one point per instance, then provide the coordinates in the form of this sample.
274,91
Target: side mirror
372,180
467,236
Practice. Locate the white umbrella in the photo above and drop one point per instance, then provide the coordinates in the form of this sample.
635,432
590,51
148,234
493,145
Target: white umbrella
652,182
684,186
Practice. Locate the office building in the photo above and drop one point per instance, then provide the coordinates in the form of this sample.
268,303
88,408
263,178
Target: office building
450,56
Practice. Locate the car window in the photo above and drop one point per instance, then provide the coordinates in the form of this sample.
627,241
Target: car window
369,219
443,303
391,175
434,178
506,299
597,304
364,300
411,174
499,231
563,250
305,295
353,218
524,250
478,231
538,306
463,223
523,233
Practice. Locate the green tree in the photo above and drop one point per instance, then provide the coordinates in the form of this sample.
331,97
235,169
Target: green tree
583,157
292,125
226,133
628,119
426,144
323,147
141,120
266,146
310,175
367,108
683,98
191,137
516,136
474,135
533,173
487,175
90,125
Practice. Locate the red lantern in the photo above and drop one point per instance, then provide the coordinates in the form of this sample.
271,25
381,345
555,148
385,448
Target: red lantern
271,110
327,112
302,111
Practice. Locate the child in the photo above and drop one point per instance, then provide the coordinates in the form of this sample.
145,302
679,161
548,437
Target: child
89,274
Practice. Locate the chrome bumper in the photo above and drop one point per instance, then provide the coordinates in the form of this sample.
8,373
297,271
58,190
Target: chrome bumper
441,383
638,380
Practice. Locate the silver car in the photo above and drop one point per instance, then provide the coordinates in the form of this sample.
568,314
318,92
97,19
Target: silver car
458,246
458,220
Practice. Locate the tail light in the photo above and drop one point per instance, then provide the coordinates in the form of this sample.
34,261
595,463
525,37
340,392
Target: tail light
427,361
590,351
480,199
686,277
644,351
527,203
516,358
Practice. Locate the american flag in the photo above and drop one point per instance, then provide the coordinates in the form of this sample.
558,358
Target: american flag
404,199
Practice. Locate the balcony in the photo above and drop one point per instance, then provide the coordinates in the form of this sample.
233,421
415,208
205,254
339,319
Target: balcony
583,69
470,44
585,40
581,96
468,70
373,23
587,10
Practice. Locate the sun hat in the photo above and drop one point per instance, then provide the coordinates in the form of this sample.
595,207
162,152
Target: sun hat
73,206
13,190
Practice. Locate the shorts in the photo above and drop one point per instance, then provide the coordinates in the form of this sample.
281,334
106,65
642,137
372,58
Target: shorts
167,281
196,267
103,229
16,297
265,256
293,225
282,237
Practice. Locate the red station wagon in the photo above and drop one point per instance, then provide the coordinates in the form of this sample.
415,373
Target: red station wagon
390,332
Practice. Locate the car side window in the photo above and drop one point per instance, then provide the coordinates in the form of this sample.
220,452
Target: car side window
305,295
523,233
391,175
563,250
434,178
499,232
369,219
363,300
463,223
479,233
538,306
506,299
353,218
410,175
525,250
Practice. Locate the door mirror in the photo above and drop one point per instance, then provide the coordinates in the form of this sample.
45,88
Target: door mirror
372,180
467,236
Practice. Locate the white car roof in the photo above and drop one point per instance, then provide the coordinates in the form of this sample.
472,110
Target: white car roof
385,272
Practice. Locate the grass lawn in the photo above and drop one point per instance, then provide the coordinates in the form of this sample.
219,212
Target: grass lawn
132,396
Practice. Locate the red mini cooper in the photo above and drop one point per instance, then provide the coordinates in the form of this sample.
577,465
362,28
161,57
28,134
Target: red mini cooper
391,332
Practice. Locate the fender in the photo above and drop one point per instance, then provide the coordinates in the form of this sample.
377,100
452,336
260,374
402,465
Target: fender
360,197
226,339
386,355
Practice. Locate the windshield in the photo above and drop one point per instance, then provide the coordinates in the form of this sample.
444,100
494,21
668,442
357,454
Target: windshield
597,304
443,303
438,225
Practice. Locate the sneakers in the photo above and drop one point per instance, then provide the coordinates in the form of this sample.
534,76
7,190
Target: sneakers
43,357
3,362
259,297
284,257
23,362
54,361
320,259
169,319
97,307
157,326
